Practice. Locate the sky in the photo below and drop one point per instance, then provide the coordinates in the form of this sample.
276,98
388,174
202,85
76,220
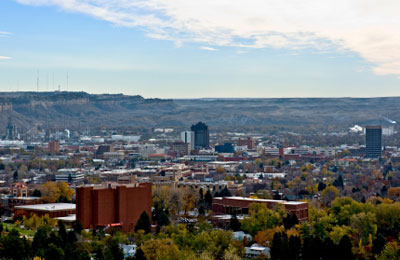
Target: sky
197,49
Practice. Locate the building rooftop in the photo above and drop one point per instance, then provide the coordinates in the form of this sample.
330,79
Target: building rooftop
48,207
264,200
69,218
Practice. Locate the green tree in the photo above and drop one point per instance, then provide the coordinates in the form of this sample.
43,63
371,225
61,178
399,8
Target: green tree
234,223
260,218
53,252
13,247
143,223
208,198
345,248
114,252
390,252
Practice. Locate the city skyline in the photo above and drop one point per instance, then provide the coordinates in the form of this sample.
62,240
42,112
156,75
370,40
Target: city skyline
173,49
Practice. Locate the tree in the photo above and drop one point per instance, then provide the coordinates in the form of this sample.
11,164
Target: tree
36,193
280,247
234,224
344,248
390,252
290,221
139,255
329,194
260,218
157,249
365,224
143,223
56,191
294,248
202,210
53,252
208,198
15,176
62,232
114,252
201,192
225,192
65,192
231,254
378,244
13,247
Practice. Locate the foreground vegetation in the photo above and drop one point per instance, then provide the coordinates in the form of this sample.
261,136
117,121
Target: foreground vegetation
347,229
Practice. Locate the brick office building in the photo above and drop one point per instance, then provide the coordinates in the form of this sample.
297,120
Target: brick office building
54,147
241,205
116,205
248,141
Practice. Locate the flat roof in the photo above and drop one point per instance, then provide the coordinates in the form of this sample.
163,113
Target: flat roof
266,200
69,218
48,207
25,198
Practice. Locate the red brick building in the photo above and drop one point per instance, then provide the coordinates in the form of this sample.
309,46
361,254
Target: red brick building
117,205
241,205
248,141
54,147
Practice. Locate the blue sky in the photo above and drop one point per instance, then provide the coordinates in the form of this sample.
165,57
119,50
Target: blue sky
184,49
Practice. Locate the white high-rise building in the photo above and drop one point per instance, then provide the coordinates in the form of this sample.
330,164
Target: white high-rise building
188,137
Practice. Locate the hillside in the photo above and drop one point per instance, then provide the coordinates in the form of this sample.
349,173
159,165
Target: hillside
74,109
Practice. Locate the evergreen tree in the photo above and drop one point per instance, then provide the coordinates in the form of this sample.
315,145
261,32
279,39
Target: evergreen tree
40,240
163,220
280,247
344,248
36,193
114,252
294,248
201,192
208,198
78,227
53,252
15,176
234,224
225,192
143,223
13,247
378,244
201,210
139,255
62,232
321,186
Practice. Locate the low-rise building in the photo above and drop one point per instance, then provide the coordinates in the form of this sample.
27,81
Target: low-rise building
52,209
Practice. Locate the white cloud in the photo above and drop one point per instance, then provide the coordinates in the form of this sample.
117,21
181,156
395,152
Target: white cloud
208,48
5,58
370,28
4,34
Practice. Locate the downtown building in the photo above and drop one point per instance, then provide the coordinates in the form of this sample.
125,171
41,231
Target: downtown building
188,138
373,141
201,136
113,205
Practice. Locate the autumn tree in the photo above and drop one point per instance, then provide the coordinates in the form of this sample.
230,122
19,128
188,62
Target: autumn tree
329,194
260,218
56,191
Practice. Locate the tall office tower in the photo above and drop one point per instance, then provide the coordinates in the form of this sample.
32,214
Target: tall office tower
188,138
201,135
11,132
373,141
